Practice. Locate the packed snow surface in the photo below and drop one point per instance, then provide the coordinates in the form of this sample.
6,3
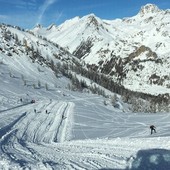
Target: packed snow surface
72,130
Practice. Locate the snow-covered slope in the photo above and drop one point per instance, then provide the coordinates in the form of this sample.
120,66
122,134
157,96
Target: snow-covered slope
67,129
134,51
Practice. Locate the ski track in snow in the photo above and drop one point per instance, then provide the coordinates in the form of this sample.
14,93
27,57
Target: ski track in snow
40,140
30,127
78,132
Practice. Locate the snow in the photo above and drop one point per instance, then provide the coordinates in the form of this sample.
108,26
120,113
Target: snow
96,138
119,38
77,132
71,130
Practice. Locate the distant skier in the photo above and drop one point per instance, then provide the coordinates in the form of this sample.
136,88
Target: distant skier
153,128
32,101
35,111
46,112
63,117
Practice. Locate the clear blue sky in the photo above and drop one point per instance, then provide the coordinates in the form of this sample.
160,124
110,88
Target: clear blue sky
27,13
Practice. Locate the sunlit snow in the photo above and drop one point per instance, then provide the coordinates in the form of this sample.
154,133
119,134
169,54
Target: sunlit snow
66,129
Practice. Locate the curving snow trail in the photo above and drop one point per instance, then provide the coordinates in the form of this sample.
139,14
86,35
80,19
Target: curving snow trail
51,137
34,128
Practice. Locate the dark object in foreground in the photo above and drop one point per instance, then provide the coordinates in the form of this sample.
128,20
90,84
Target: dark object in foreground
153,129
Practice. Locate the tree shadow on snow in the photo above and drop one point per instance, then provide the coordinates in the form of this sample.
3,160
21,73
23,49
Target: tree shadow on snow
152,159
15,107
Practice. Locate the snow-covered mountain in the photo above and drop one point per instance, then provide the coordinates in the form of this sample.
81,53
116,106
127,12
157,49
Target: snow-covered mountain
133,51
67,129
36,105
49,117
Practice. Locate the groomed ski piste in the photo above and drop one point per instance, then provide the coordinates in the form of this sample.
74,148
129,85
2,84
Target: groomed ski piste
71,130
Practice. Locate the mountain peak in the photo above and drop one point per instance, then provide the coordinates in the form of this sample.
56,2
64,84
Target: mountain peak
38,26
92,20
149,8
91,15
52,26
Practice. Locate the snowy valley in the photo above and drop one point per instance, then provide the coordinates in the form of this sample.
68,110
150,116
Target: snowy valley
54,112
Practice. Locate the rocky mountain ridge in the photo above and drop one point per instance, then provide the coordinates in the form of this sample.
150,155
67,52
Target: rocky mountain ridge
133,51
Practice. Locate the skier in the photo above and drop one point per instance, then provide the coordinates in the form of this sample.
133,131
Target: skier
35,111
153,128
46,112
32,101
63,117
